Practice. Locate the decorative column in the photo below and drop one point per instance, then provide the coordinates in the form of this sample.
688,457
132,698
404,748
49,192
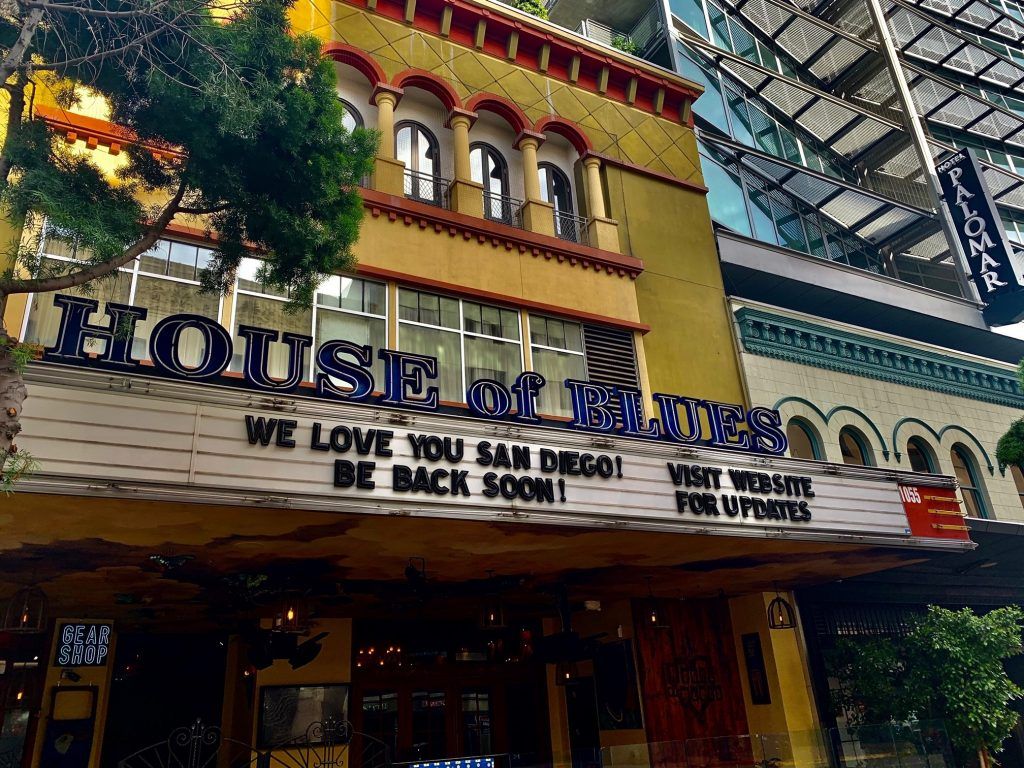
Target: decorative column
388,173
603,232
467,196
595,194
538,216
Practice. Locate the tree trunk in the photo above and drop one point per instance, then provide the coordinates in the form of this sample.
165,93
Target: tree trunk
12,396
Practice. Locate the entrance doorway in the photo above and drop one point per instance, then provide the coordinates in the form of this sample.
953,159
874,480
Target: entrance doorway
584,731
161,682
445,691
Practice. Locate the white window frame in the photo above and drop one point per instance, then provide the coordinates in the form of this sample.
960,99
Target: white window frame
460,330
134,271
311,368
582,353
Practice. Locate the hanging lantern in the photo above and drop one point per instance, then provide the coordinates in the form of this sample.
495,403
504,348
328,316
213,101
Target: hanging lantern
566,672
652,610
26,611
780,613
493,614
292,615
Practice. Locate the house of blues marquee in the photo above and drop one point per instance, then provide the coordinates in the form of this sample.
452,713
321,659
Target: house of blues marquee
468,586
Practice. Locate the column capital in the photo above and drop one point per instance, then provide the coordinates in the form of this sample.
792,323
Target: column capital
383,92
591,161
528,138
460,117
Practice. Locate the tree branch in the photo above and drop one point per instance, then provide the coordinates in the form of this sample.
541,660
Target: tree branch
102,268
86,11
15,112
203,211
16,56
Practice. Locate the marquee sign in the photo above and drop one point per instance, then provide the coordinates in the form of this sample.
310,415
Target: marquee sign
215,445
977,224
339,448
345,374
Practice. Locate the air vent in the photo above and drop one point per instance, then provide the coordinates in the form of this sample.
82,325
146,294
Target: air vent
611,358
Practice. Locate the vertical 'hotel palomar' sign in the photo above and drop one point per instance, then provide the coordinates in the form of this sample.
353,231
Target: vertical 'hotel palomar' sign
978,225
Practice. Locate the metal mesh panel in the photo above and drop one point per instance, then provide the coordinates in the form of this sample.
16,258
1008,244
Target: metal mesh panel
931,247
903,164
833,621
804,35
878,89
811,188
928,94
805,38
976,13
785,97
825,119
851,207
886,224
1006,74
1006,188
820,115
921,36
751,76
841,55
861,137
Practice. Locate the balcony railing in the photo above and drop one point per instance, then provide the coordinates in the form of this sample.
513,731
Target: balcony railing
502,208
425,188
571,227
644,32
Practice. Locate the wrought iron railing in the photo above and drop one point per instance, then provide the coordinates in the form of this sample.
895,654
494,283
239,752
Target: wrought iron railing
426,188
507,210
571,227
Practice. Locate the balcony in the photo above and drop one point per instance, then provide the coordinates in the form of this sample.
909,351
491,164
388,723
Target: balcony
569,226
642,37
503,209
426,188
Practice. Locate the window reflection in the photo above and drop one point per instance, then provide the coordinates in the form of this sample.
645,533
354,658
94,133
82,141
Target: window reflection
854,447
965,467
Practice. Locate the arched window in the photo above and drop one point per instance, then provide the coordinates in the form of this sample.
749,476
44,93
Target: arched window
966,470
803,440
920,456
854,448
352,119
555,189
418,149
1018,481
488,167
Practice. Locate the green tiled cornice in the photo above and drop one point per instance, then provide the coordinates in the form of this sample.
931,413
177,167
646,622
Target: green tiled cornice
783,338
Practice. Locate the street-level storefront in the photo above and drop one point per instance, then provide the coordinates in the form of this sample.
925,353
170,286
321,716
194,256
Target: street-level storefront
467,587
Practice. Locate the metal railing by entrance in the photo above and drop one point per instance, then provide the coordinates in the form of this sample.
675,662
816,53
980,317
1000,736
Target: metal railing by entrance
426,188
323,744
503,209
571,227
